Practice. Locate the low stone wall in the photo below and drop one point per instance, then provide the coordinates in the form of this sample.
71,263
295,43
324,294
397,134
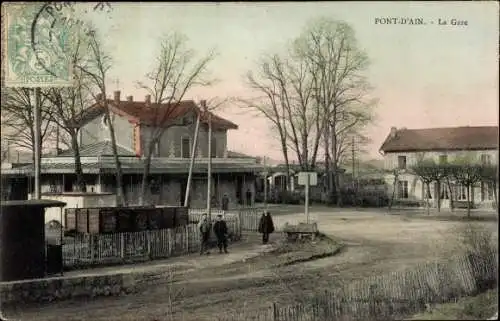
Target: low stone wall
20,293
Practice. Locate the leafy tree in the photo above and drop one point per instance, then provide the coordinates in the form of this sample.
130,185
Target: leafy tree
489,175
466,173
426,170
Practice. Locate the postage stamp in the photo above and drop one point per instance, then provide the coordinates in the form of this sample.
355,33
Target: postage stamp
36,47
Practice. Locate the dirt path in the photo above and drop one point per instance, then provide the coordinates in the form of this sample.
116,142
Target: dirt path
376,244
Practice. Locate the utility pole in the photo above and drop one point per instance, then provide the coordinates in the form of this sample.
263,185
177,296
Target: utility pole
191,163
209,169
38,143
265,182
353,160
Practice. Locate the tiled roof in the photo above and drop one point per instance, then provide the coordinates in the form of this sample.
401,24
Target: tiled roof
138,111
231,154
135,168
436,139
103,148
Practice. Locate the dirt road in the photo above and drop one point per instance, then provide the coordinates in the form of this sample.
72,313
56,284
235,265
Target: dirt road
377,243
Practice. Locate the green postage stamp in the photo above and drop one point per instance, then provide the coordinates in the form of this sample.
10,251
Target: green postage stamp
35,45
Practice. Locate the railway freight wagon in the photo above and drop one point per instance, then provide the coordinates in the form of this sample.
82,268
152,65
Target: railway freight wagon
105,220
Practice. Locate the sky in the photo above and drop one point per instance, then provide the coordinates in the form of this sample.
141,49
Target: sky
423,75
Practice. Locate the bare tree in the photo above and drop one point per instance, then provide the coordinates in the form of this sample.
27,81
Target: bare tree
315,91
175,73
69,104
96,66
489,176
18,118
466,173
426,170
341,89
269,105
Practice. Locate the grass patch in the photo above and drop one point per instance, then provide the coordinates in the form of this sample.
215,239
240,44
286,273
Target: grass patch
480,307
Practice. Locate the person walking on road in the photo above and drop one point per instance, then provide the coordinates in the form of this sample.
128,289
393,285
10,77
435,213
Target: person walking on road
204,228
266,226
220,230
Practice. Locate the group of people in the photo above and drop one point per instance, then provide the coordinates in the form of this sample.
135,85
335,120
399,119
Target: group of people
266,227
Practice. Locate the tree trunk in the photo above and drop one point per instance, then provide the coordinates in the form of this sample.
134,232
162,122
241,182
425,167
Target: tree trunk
452,204
80,182
468,200
336,187
394,183
284,149
145,173
328,170
427,194
438,196
121,201
495,195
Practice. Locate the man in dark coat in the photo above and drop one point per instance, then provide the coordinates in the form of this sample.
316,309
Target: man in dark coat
220,230
204,227
266,226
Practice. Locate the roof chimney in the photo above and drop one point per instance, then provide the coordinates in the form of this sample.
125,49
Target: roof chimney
394,131
117,96
130,98
203,104
148,99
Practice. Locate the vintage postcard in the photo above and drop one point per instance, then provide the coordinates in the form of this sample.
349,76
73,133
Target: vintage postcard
232,161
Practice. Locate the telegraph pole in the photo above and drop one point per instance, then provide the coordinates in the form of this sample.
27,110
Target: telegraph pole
265,183
209,169
191,163
38,143
353,160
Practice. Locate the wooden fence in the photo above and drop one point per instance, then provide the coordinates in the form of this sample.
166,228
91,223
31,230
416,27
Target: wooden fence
391,296
248,216
101,249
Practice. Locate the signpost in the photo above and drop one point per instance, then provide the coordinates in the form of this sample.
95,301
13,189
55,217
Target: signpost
307,179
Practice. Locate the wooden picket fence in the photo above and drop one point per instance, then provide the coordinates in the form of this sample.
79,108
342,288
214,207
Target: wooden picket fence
391,296
104,249
248,216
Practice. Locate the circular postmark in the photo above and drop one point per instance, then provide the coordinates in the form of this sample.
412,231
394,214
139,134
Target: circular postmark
36,54
50,40
59,28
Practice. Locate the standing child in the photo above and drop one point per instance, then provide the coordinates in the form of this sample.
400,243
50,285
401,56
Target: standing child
204,228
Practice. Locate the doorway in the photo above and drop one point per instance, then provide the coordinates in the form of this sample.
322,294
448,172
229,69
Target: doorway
239,187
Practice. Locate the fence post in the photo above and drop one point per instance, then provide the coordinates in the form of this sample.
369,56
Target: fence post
240,222
187,238
148,243
275,312
122,245
91,241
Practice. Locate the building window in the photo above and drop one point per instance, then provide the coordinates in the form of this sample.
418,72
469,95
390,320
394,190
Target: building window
402,162
213,151
487,191
186,120
154,187
157,149
461,193
186,147
444,192
443,159
402,189
486,159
